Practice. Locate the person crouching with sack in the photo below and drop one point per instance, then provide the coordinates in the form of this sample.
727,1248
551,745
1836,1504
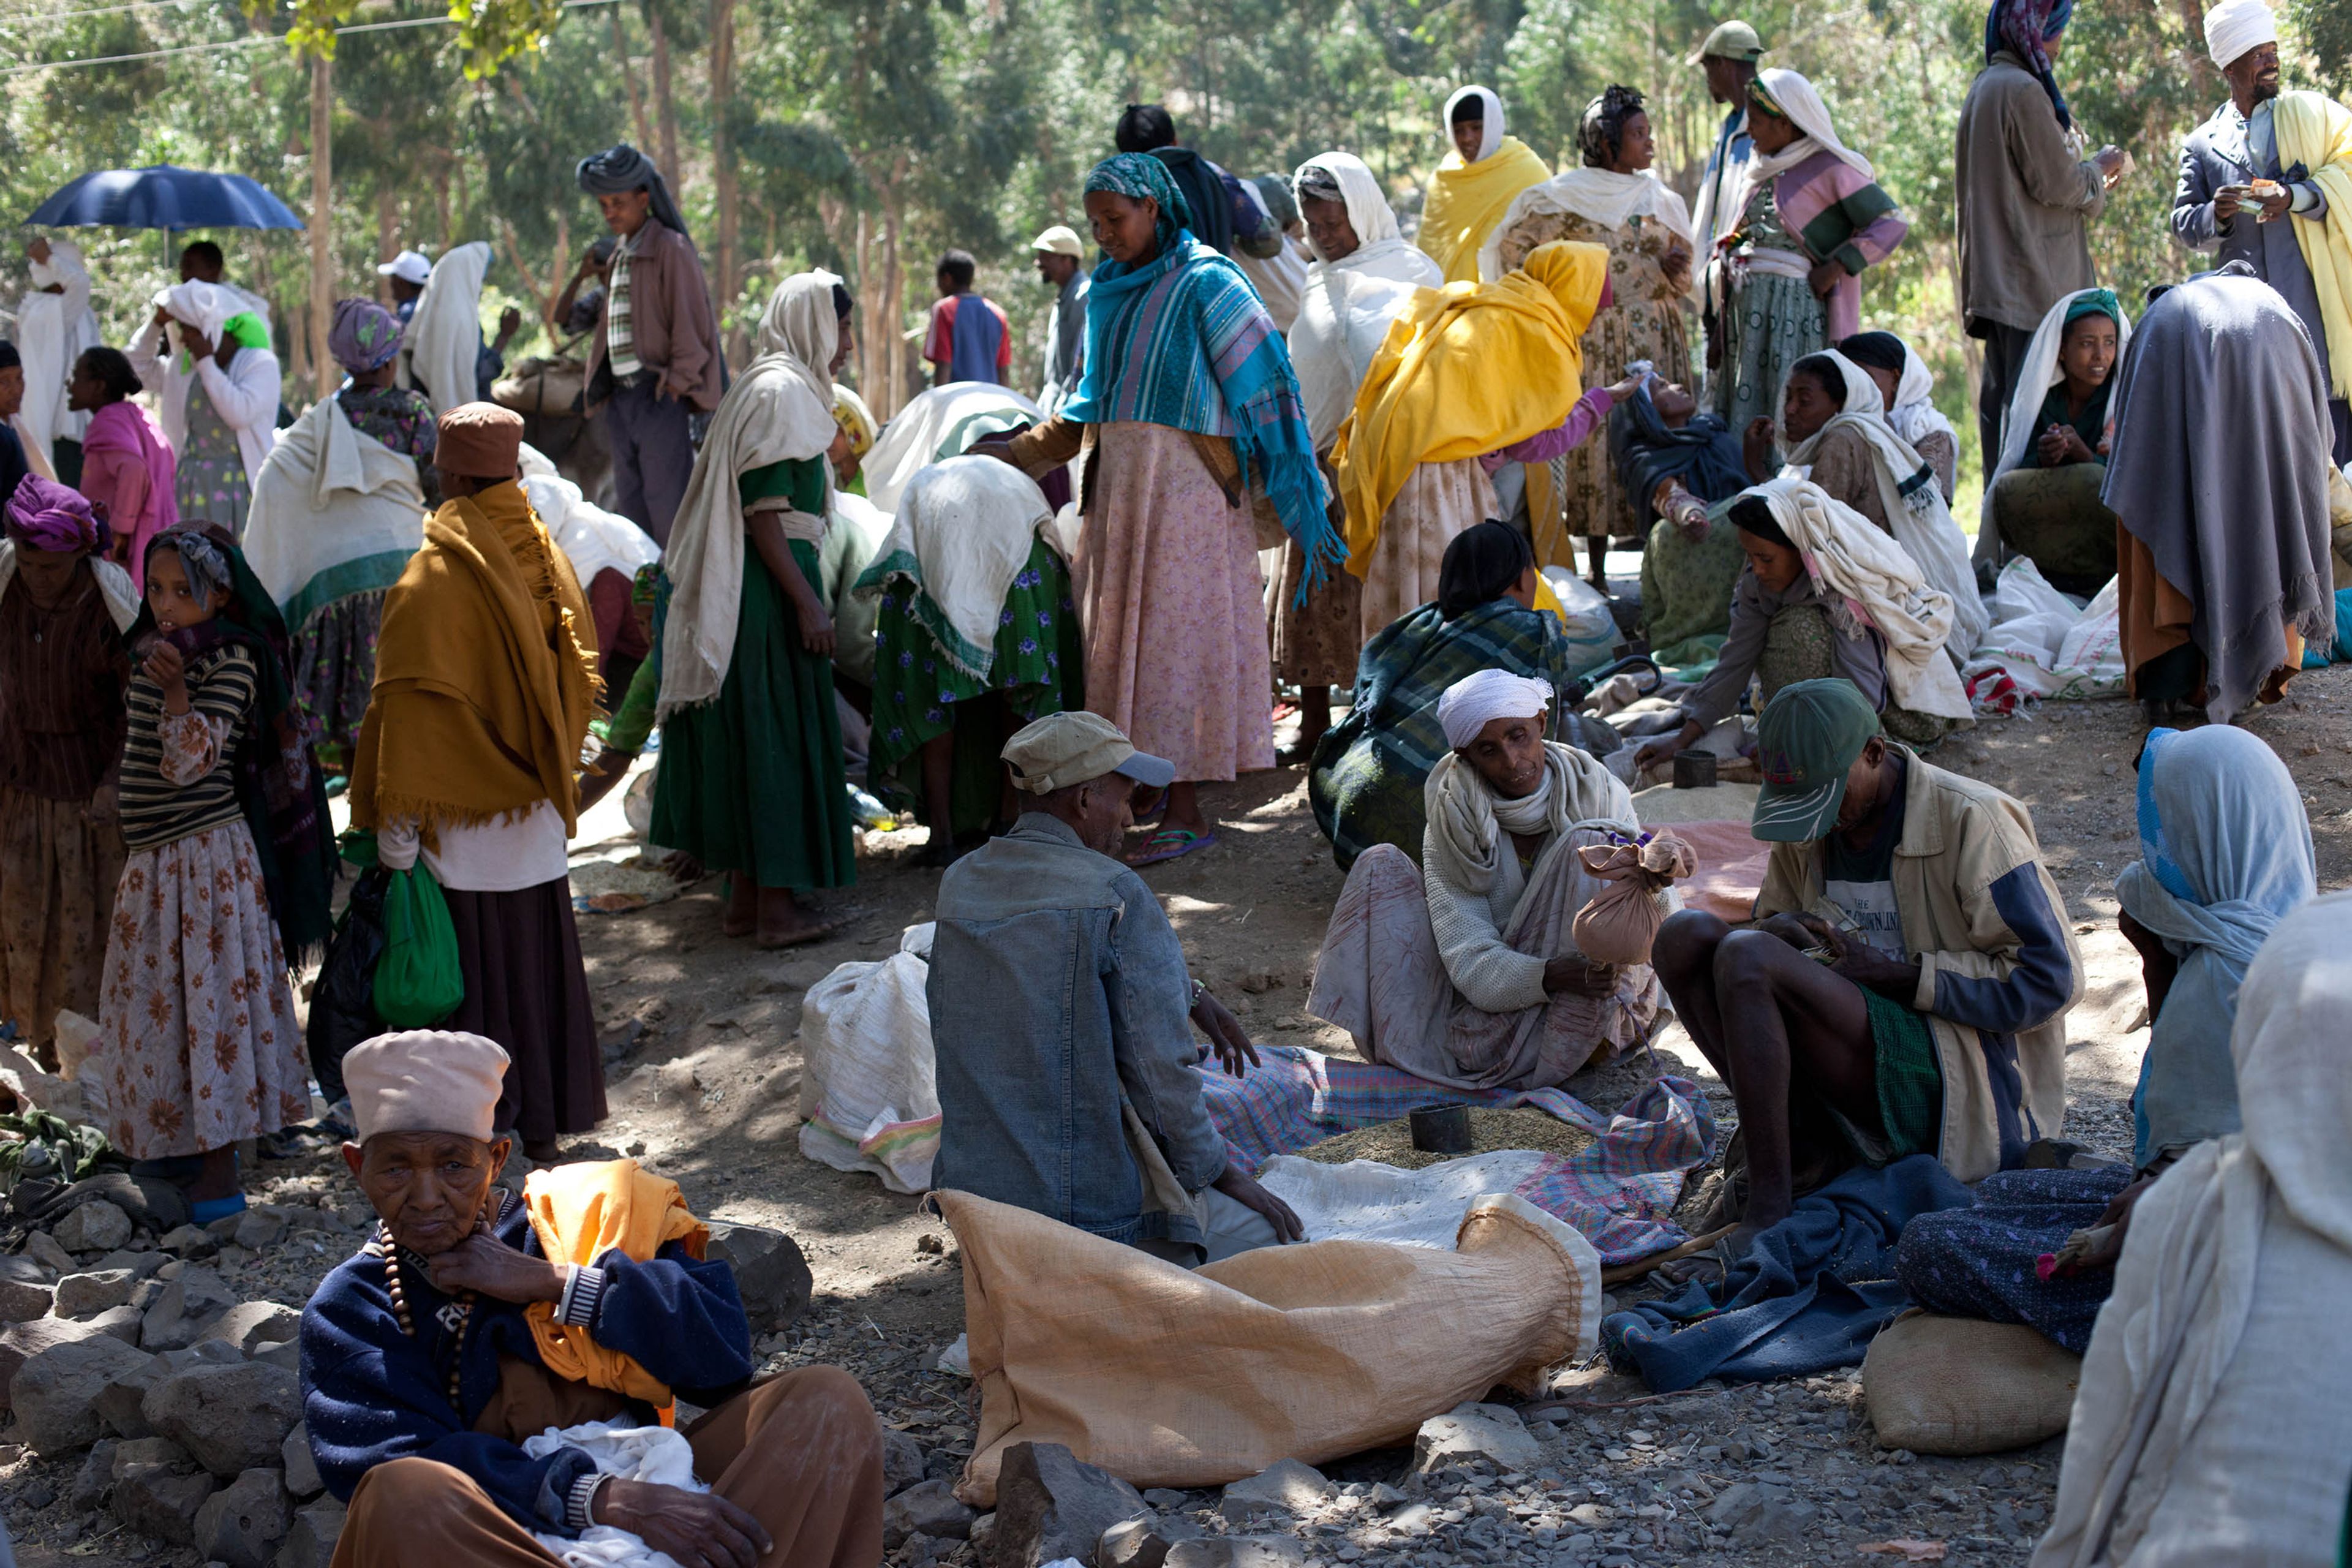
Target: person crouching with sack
473,1322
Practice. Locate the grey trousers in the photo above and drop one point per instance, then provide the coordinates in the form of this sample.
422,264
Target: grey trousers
2004,358
653,456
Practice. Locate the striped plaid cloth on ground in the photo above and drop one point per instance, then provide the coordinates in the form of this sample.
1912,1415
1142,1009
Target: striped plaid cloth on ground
1618,1194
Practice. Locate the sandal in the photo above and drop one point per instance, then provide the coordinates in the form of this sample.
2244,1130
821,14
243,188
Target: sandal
1171,844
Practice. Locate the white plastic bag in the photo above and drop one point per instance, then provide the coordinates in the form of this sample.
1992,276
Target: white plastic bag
869,1091
1592,629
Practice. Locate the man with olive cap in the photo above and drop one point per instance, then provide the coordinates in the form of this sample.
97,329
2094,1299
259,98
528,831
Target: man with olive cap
1059,1000
1061,264
430,1355
1904,986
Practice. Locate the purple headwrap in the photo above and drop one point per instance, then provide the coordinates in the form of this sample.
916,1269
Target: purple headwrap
365,337
48,515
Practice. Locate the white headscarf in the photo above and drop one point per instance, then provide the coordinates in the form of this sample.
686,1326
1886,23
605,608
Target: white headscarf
1819,134
2234,27
1915,416
1871,577
1493,119
2184,1289
1605,197
1912,499
1468,819
1345,307
781,410
2038,373
1475,700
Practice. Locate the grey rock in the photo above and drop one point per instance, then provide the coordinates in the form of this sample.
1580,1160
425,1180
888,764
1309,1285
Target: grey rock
1237,1552
55,1393
141,1264
902,1463
81,1295
1386,1496
189,1241
121,1403
225,1229
310,1539
1492,1431
36,1497
259,1228
1413,1518
20,1343
983,1536
190,1305
250,1325
43,1248
770,1273
242,1524
22,1300
233,1418
1051,1505
161,1451
301,1466
1289,1485
204,1352
928,1508
1133,1543
95,1479
161,1500
18,1266
93,1227
286,1353
1164,1497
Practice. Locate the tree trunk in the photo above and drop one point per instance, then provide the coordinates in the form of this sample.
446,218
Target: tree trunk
664,107
323,214
722,159
384,233
629,81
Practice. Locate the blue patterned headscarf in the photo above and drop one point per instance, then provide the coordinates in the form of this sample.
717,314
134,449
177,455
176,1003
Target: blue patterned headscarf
2022,27
1136,176
365,337
1184,341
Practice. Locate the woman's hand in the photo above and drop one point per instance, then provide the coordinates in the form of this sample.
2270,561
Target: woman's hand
2063,444
1659,748
488,1266
817,628
200,347
1226,1035
1620,391
1758,449
1573,974
1677,269
167,670
700,1530
1824,277
1242,1188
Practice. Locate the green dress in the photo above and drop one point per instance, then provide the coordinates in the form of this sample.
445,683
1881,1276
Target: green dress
919,693
753,782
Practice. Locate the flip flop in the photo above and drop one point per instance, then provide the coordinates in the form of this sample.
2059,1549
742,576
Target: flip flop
1151,815
1171,844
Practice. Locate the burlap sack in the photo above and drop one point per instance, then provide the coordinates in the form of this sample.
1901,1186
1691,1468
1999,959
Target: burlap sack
1172,1378
1623,919
1959,1386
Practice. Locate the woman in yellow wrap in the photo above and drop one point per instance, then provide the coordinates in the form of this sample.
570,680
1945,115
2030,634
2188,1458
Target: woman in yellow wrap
1474,183
484,678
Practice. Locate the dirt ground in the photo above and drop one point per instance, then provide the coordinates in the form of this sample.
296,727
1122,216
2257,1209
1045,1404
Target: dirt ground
704,1087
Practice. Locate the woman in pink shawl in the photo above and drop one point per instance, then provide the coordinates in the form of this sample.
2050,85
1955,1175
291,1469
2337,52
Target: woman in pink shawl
127,466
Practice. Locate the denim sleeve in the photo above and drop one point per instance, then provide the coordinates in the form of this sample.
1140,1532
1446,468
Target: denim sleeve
1151,1036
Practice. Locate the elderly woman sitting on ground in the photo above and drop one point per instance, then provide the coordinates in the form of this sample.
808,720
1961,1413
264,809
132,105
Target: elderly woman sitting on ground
449,1365
1462,970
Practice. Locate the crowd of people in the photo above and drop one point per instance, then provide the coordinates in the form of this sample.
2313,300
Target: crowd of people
1280,450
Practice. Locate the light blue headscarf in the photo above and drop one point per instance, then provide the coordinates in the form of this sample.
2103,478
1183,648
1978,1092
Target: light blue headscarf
2225,855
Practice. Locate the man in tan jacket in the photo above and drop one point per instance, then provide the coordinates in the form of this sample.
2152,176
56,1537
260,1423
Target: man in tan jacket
1905,987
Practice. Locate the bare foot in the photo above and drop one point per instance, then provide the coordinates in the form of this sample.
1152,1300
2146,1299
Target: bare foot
542,1152
786,921
741,916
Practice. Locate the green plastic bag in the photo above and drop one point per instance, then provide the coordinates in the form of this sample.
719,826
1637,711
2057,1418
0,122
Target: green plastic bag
418,982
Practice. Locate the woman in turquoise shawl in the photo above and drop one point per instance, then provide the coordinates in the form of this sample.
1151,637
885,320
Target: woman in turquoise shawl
1198,454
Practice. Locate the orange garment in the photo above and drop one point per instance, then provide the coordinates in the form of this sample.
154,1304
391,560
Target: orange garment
579,1213
2153,618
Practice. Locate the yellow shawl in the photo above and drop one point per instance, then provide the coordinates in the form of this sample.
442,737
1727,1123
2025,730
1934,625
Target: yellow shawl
1467,369
485,674
579,1213
2316,133
1467,200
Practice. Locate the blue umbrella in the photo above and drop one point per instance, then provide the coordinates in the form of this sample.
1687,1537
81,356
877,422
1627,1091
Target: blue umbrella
165,197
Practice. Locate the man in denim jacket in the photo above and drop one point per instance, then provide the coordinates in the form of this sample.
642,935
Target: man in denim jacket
1066,1072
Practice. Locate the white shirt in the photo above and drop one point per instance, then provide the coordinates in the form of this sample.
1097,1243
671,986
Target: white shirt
502,856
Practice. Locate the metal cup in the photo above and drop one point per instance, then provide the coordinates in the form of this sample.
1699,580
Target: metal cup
1441,1129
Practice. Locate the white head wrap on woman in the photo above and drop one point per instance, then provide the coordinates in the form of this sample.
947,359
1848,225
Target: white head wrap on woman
1471,702
1492,118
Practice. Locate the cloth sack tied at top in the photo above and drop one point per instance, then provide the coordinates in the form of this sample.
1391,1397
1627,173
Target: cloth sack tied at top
1619,923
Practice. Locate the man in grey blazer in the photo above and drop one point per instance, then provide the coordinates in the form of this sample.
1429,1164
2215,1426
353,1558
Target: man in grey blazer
2216,209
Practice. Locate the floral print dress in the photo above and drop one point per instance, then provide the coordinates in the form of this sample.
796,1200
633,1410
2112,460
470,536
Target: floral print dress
211,485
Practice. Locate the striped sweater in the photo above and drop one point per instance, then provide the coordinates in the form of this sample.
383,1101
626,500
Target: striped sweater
176,781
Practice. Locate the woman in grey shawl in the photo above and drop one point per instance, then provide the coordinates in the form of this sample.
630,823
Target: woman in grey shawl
2219,475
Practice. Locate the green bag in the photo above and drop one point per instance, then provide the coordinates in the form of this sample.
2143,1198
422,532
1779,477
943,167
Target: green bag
418,982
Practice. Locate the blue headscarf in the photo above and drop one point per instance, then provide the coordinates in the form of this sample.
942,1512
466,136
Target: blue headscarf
1182,340
2022,26
2225,855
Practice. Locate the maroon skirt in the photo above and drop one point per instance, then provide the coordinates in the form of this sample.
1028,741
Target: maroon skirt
526,989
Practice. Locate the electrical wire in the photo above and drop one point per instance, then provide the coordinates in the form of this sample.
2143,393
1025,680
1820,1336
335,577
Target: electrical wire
249,41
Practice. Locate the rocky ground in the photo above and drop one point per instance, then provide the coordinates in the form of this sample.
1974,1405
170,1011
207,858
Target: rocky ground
704,1087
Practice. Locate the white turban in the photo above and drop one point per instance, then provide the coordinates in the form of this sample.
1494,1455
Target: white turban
425,1080
1475,700
2234,27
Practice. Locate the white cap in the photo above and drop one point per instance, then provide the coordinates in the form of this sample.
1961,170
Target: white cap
425,1080
409,266
1060,240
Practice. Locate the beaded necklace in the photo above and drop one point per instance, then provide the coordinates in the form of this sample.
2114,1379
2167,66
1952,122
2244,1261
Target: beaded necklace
455,1317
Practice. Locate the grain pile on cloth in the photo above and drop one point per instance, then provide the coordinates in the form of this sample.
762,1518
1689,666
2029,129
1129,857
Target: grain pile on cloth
1491,1129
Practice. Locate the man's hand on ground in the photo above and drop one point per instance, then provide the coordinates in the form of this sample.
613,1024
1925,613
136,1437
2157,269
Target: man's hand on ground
1243,1189
484,1264
700,1530
1226,1035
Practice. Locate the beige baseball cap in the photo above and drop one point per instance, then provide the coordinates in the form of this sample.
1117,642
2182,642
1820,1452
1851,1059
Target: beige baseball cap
1061,240
1730,41
1065,749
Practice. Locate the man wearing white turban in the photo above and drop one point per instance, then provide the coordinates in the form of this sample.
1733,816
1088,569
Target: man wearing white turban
1463,970
2253,188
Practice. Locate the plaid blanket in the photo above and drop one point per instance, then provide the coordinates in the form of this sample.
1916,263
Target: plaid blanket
1618,1193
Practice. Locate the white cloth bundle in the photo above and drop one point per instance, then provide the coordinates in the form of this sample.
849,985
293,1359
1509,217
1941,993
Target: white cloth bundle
911,441
654,1454
965,529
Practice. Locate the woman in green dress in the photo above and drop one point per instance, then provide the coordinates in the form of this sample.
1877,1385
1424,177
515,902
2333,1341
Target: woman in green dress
751,781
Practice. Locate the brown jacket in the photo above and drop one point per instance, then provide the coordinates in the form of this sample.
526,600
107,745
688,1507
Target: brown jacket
2025,201
669,319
